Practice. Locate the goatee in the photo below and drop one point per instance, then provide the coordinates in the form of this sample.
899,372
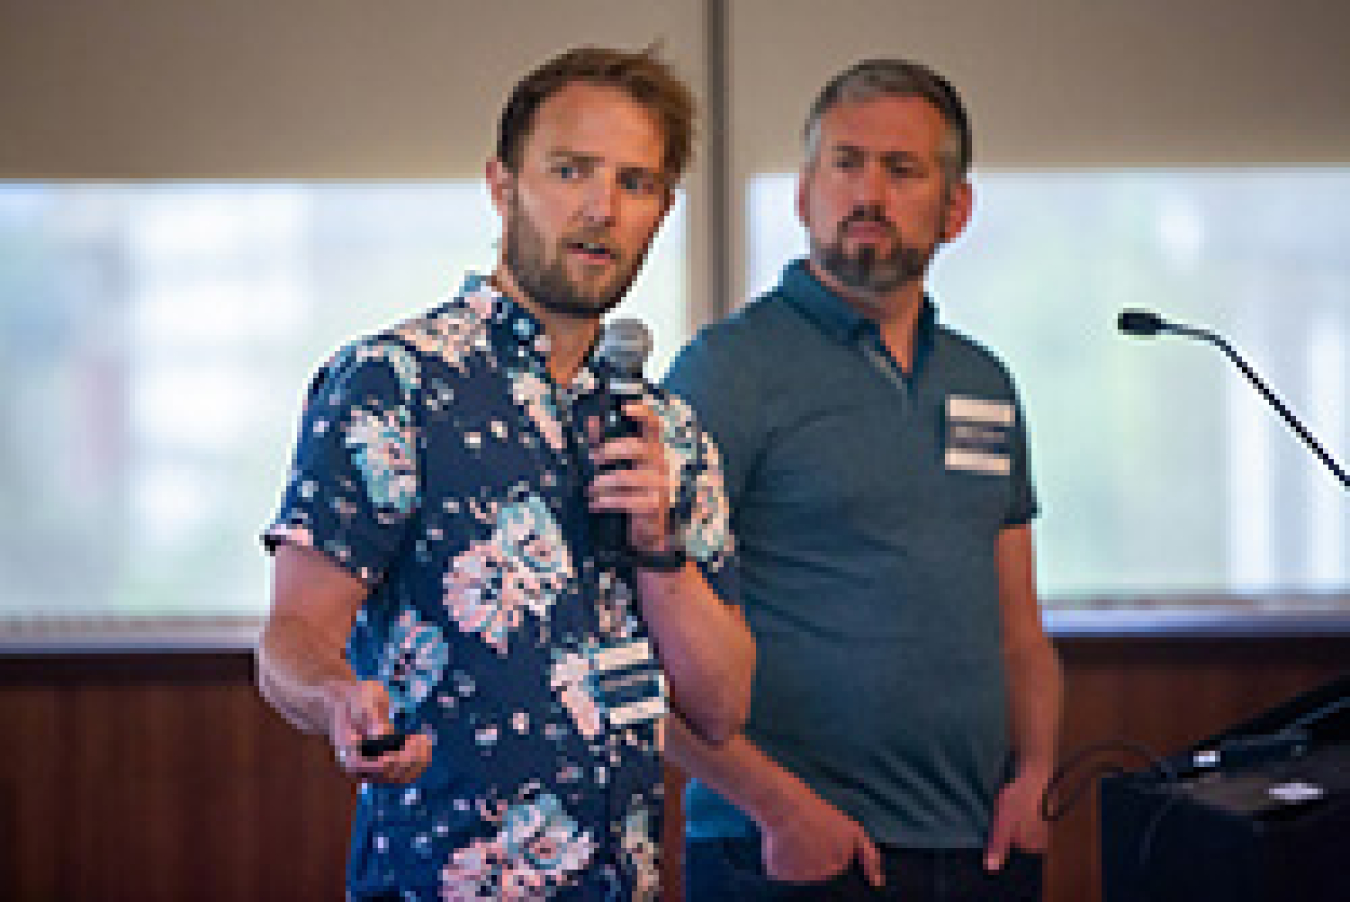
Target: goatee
867,271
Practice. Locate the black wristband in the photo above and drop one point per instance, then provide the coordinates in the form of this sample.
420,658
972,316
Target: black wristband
671,561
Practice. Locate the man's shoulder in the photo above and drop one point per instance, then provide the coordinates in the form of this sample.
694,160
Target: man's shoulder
752,334
450,332
972,356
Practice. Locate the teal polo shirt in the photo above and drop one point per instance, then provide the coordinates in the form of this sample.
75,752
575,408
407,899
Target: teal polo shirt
865,503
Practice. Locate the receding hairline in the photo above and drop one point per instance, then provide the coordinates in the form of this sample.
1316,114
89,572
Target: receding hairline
875,79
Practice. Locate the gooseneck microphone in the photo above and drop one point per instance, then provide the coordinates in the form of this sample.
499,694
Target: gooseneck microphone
624,348
1145,324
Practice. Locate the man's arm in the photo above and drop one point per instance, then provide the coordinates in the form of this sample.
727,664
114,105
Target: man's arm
804,837
1035,690
705,647
303,671
704,644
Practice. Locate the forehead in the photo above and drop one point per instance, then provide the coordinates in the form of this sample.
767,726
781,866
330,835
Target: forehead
882,124
597,121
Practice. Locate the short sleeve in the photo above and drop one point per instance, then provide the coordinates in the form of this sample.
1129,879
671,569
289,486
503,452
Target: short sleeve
720,389
353,484
1023,506
702,514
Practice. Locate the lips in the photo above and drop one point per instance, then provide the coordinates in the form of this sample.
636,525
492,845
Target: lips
592,251
868,230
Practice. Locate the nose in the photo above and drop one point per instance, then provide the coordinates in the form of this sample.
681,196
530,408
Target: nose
869,186
601,202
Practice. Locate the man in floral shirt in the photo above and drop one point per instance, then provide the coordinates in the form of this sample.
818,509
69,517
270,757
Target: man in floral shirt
435,568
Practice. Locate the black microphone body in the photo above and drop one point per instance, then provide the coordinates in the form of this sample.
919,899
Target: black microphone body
623,352
1146,323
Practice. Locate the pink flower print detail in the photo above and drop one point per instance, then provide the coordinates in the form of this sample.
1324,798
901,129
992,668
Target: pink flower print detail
534,394
384,454
643,854
538,849
472,599
708,533
571,679
482,303
523,566
413,662
453,334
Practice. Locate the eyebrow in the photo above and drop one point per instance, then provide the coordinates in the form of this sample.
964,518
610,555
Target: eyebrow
883,154
573,156
592,160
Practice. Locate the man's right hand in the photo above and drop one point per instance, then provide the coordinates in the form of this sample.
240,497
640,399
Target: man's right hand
813,841
360,710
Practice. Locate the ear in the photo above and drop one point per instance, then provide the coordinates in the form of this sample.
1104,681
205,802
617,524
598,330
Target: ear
501,186
803,184
960,205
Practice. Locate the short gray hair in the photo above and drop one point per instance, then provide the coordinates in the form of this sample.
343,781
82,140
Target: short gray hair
875,78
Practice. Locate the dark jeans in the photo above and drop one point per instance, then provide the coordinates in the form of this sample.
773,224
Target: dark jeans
731,870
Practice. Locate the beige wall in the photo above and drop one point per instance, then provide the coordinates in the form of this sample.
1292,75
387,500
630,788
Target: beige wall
302,89
1056,83
347,89
411,88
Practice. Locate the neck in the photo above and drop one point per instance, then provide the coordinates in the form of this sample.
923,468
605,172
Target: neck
896,312
569,337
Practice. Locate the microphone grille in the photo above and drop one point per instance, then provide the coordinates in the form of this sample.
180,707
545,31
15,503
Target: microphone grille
1140,322
625,345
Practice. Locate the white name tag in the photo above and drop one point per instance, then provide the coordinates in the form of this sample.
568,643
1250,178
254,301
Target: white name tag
979,435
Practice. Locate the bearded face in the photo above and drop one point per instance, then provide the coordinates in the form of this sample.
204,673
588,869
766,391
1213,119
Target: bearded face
600,281
873,267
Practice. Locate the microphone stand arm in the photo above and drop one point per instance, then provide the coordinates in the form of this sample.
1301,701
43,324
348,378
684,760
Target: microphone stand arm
1266,393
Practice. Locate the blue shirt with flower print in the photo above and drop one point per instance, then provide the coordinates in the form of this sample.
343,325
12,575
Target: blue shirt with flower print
439,463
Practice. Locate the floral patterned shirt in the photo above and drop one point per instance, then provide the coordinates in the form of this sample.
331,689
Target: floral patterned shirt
439,463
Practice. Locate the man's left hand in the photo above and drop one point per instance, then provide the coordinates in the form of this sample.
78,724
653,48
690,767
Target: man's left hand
1017,820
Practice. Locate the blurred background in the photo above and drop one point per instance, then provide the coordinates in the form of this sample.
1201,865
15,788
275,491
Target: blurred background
200,202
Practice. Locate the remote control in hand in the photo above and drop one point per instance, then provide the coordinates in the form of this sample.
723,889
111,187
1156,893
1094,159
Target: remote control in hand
375,746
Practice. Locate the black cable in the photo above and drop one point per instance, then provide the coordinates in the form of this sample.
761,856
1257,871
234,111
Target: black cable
1052,812
1314,716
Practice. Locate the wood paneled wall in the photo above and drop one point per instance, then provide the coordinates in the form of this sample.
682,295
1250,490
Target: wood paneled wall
164,777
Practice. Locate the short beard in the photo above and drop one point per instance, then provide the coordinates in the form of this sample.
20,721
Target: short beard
867,272
547,284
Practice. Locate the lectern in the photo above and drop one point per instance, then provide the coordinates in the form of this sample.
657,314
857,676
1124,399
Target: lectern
1258,813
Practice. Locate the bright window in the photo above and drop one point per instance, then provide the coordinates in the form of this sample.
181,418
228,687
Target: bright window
1160,470
157,341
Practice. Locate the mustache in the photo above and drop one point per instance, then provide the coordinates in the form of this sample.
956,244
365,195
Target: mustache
866,214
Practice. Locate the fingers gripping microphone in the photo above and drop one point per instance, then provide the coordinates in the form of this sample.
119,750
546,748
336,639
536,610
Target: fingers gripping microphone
624,348
1145,323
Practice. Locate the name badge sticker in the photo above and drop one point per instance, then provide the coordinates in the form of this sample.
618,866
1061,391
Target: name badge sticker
628,684
979,435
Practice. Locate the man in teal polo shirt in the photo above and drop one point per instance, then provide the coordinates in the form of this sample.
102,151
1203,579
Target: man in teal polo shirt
905,709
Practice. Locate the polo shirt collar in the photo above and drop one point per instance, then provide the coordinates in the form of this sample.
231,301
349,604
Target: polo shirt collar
840,320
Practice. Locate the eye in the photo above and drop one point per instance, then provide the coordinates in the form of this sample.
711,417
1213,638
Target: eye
566,171
638,182
903,168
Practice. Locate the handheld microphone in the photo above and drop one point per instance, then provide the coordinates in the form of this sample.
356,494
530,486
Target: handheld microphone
624,348
1145,323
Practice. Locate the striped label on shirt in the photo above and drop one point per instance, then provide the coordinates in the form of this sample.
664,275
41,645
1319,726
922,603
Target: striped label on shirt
979,434
628,683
